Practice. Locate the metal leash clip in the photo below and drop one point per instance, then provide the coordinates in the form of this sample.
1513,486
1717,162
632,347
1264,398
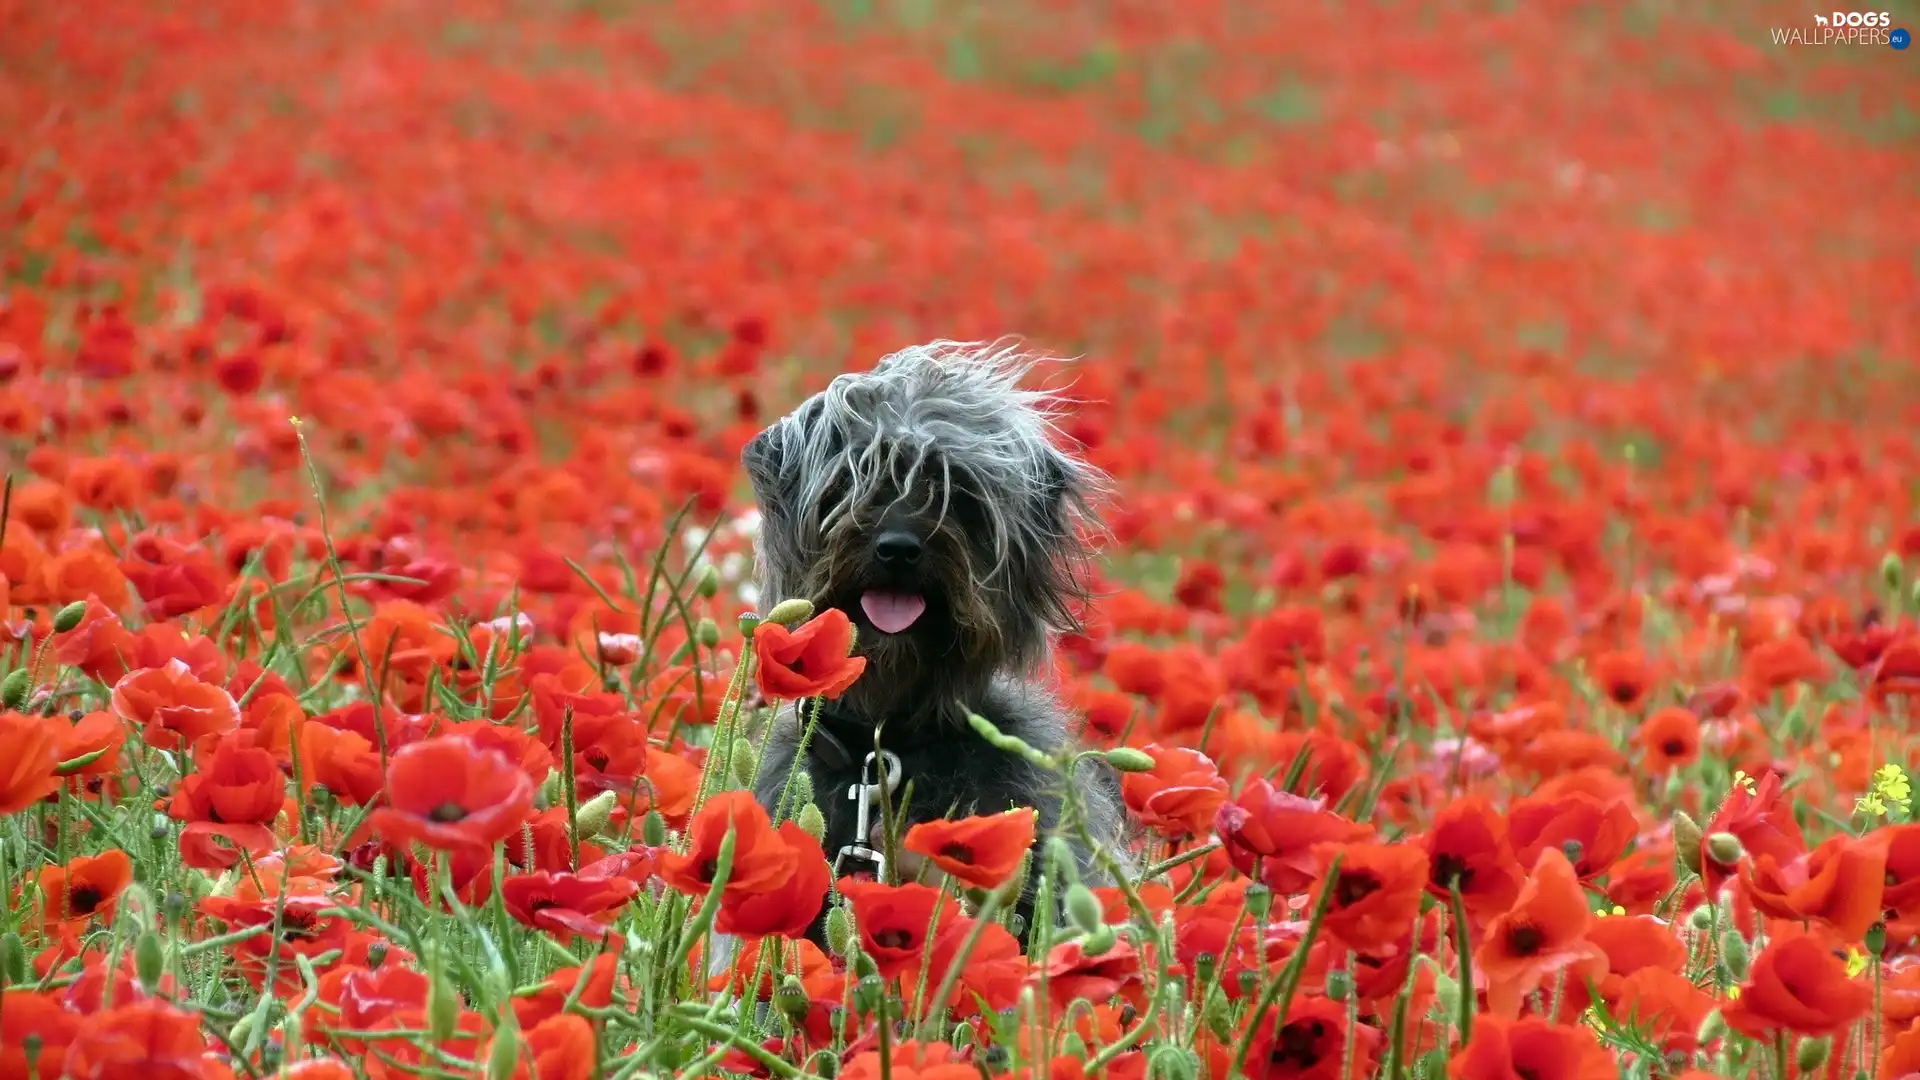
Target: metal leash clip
863,795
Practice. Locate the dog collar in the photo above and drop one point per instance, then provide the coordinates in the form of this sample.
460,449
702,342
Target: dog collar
838,733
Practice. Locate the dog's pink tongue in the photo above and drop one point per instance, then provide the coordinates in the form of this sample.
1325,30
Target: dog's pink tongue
892,612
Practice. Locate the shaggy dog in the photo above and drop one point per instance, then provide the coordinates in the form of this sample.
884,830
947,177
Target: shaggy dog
927,500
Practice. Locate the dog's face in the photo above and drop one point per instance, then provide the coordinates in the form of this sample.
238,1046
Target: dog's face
925,500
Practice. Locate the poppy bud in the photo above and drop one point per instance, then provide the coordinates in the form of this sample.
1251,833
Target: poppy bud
791,998
986,729
802,788
867,994
1701,918
592,815
1084,909
1686,842
813,822
747,622
1127,759
743,763
708,583
505,1053
15,687
1100,942
1724,848
839,929
1259,901
1734,954
1218,1012
69,617
1813,1053
706,632
149,959
1892,574
1173,1063
13,959
443,1008
1339,984
791,612
1074,1046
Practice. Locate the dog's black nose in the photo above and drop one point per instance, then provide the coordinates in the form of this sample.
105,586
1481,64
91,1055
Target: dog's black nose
897,547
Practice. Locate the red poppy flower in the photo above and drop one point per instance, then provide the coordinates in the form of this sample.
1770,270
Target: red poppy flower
236,785
1179,795
1839,883
172,706
1073,975
1279,830
147,1040
1531,1047
563,1047
1663,1004
27,1012
1670,738
566,904
449,793
893,920
1376,893
85,888
1798,985
981,851
911,1061
1591,833
994,972
1761,820
811,661
1544,933
30,746
788,907
595,981
760,855
1467,848
1311,1043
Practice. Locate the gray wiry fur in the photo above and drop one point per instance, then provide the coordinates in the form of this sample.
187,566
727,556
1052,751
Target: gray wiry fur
941,440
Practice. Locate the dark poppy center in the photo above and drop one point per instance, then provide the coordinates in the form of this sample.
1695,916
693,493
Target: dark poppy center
1622,692
1451,869
708,868
1673,748
798,665
84,900
1298,1045
958,852
1353,888
448,812
1525,940
892,938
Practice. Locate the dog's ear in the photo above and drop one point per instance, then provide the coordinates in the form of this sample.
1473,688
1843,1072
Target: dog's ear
763,458
1057,480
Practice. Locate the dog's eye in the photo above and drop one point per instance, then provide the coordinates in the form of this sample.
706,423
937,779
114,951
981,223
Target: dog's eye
967,508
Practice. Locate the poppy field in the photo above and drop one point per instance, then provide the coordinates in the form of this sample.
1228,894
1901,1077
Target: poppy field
1509,630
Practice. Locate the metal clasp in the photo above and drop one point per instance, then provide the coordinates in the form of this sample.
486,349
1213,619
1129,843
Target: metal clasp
864,793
